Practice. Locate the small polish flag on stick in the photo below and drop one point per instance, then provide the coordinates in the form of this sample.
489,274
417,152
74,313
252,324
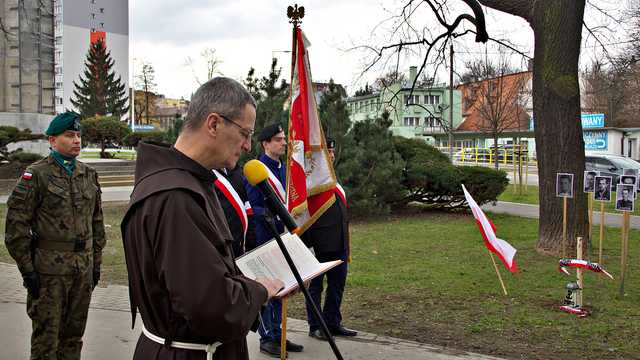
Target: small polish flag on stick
503,249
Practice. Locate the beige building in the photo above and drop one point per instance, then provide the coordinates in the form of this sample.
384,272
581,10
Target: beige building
27,56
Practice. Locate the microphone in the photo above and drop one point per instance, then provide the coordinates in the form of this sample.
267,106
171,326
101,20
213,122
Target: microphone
257,174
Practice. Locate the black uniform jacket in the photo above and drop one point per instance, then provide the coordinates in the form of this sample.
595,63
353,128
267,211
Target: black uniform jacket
182,277
330,233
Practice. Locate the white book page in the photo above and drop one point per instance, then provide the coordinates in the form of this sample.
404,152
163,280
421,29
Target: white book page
268,261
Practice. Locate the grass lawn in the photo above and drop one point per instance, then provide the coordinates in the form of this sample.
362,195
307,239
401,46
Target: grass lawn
428,278
124,155
530,196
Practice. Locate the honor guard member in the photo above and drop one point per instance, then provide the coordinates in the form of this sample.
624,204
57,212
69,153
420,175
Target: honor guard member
329,237
55,233
273,141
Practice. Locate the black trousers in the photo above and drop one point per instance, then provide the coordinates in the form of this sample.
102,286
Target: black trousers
336,279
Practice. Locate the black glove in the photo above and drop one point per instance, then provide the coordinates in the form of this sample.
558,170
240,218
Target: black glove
96,277
31,281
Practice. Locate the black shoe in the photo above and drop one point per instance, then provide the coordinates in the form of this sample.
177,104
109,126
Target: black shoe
342,331
318,334
270,348
293,347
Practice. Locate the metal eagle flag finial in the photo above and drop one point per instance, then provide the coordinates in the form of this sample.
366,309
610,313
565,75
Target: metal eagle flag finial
295,14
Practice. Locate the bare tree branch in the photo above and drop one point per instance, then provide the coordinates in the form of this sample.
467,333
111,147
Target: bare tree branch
521,8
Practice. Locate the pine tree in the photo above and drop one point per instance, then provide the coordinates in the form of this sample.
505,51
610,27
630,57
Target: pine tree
271,94
334,117
99,93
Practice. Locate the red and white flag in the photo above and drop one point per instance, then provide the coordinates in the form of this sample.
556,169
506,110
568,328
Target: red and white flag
310,175
503,249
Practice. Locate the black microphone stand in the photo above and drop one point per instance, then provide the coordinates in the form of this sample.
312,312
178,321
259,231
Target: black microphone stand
272,227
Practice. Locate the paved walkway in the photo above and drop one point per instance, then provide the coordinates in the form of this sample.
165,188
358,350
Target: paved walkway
122,193
532,211
109,335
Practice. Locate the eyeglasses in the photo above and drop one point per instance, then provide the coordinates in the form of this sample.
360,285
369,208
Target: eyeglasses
243,131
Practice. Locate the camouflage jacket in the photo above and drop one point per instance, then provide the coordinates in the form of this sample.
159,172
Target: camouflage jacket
54,221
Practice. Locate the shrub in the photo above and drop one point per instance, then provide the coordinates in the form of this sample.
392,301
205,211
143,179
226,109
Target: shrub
24,157
429,178
134,138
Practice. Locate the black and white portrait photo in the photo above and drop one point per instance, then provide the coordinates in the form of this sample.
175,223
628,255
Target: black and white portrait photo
590,181
628,180
603,189
564,185
624,197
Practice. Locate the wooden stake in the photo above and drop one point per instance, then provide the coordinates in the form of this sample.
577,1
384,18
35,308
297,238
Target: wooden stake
526,173
601,232
590,218
625,248
564,227
283,338
495,266
579,271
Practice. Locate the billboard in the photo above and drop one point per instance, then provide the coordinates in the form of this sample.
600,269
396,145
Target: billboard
596,139
590,121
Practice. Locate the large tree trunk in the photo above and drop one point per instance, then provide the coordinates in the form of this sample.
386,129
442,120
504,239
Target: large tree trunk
557,26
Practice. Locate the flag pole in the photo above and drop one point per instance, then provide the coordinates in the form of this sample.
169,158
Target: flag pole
495,266
295,15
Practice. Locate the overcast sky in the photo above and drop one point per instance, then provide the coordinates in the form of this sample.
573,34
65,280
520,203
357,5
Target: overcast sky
248,34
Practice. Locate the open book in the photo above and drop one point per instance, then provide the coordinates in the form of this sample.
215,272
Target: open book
267,261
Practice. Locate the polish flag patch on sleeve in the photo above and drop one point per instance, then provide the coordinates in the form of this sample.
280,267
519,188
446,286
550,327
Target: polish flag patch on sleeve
27,175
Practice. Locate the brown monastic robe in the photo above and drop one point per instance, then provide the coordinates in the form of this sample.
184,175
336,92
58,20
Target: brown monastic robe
182,277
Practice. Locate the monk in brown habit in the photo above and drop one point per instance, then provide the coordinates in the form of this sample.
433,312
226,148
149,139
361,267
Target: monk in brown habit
193,301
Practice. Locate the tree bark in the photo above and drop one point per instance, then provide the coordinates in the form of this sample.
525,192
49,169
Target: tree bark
557,27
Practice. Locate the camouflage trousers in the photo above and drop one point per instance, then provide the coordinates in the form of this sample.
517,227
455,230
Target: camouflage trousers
59,316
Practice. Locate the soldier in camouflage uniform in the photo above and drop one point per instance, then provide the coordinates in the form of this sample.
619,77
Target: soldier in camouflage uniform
55,233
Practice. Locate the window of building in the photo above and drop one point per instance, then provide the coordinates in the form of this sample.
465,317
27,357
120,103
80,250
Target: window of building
101,10
431,121
436,99
407,99
416,99
411,121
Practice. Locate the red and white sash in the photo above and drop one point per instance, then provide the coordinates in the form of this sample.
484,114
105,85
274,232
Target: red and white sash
243,210
277,186
341,194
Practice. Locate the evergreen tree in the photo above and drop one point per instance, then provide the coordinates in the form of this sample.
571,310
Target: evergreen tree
334,117
271,94
371,168
99,93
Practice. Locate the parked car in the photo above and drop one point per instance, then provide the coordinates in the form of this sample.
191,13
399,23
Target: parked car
610,165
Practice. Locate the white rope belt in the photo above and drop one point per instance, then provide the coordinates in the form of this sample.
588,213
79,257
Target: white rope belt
209,349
